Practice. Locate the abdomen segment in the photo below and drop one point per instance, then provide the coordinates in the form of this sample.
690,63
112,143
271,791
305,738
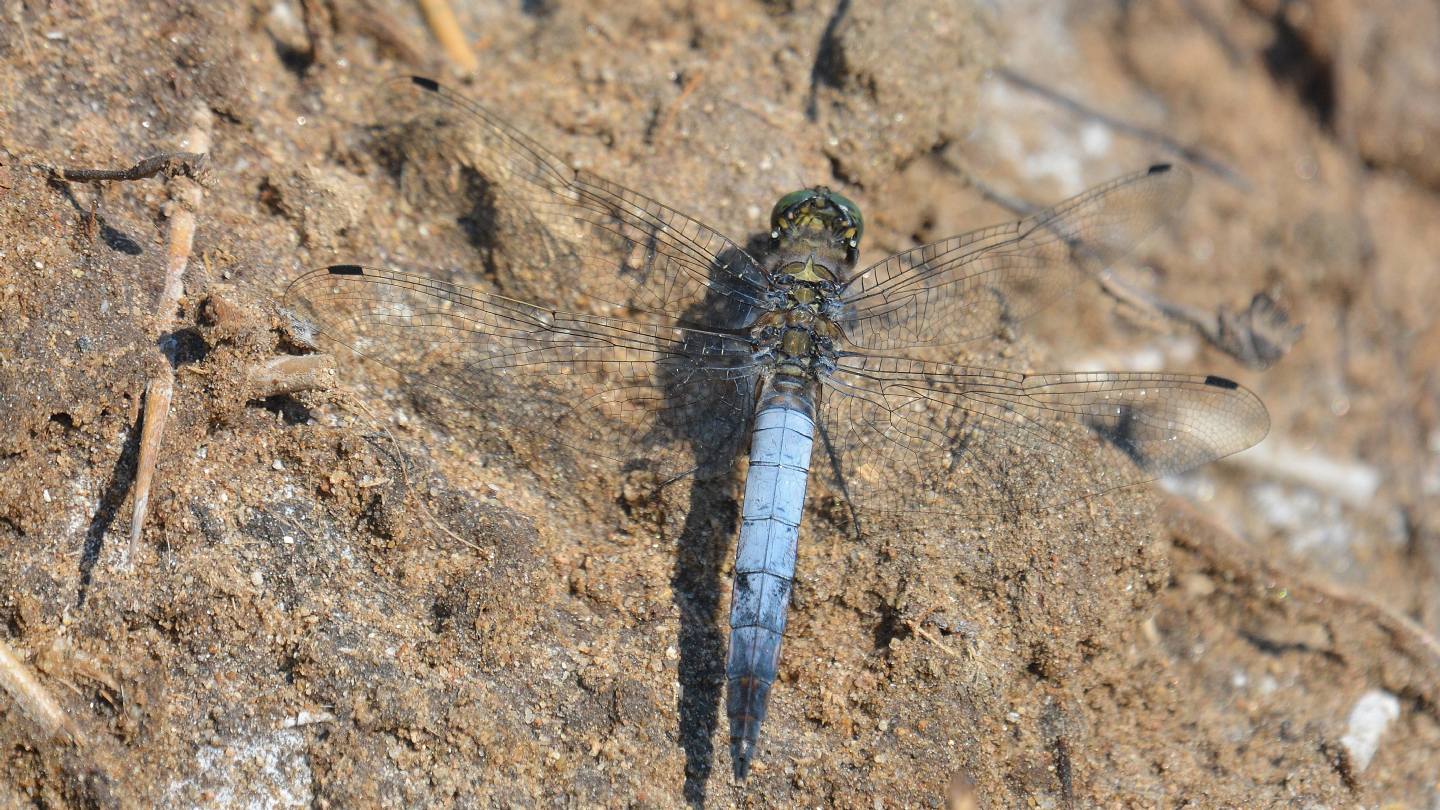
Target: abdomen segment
764,568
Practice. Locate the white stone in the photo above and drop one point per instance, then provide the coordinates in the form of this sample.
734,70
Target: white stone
1372,713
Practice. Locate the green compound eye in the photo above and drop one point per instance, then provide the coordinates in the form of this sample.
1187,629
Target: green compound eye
852,211
789,201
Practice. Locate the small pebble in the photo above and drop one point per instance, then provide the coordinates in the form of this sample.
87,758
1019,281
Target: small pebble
1370,716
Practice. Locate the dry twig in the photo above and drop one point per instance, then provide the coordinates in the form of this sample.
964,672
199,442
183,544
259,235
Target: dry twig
33,699
194,165
293,373
161,387
447,30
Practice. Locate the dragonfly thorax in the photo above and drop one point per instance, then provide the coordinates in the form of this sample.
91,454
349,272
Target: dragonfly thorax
800,339
806,286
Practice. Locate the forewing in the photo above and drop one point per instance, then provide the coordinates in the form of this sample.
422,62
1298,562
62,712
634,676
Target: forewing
971,286
670,398
554,235
912,436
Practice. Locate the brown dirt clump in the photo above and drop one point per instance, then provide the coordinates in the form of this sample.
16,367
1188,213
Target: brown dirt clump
372,596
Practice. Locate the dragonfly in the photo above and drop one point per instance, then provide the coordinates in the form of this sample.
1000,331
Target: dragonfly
643,339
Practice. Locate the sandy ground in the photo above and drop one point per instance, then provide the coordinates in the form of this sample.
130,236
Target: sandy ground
368,595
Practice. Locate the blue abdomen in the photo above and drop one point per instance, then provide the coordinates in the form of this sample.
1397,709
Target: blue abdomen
765,566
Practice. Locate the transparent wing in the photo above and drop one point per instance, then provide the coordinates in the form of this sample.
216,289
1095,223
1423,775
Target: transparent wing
537,222
912,436
668,397
970,286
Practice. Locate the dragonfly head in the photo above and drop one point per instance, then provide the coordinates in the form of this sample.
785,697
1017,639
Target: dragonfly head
817,219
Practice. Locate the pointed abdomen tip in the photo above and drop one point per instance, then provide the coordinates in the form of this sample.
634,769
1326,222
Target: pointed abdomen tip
742,751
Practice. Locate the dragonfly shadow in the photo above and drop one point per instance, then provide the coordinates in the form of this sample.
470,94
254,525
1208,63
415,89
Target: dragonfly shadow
697,587
701,549
121,478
